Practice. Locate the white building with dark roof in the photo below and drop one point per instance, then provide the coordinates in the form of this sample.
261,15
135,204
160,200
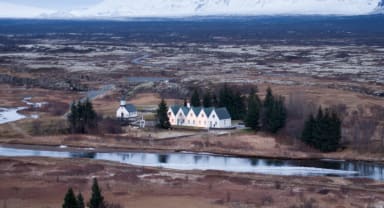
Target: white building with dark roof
217,118
126,111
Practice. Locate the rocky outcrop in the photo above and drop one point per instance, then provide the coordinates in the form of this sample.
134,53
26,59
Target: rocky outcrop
46,83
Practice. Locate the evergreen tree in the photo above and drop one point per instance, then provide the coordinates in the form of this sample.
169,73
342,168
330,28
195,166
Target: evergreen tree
207,100
80,201
162,115
82,117
72,118
239,108
70,200
309,127
233,101
253,111
97,200
269,99
215,101
90,117
323,132
195,99
185,102
274,112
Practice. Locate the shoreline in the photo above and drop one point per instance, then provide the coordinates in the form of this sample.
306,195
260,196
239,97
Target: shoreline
101,149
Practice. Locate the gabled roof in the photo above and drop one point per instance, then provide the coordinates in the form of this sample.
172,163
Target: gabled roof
222,113
130,108
208,111
175,109
196,110
185,110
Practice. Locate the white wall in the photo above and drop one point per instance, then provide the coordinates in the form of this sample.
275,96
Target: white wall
200,121
126,114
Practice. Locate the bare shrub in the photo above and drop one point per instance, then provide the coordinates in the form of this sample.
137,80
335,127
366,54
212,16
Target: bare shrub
277,185
298,109
51,127
306,203
109,126
113,205
54,108
267,200
36,127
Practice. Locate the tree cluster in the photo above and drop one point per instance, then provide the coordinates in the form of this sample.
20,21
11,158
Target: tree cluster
82,117
71,201
252,118
323,131
269,115
162,115
274,113
96,200
227,97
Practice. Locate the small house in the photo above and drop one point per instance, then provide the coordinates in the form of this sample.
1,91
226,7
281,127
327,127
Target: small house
126,111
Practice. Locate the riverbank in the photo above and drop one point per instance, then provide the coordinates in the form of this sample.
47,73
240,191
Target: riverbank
240,145
33,182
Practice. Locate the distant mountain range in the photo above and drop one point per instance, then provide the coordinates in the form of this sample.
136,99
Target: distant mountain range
189,8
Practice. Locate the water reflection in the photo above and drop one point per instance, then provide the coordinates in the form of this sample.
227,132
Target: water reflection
189,161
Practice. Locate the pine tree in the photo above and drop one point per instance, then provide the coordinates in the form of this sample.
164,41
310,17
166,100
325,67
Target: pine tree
80,201
207,100
215,101
70,200
274,112
253,111
267,110
195,99
307,134
72,118
90,117
239,108
97,200
323,132
162,115
82,117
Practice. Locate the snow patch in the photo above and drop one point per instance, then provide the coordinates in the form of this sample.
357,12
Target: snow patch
11,114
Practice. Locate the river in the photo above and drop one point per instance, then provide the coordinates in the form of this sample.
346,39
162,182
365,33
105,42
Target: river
201,161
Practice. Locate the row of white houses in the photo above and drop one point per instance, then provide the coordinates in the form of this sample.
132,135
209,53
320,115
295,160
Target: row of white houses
217,118
198,117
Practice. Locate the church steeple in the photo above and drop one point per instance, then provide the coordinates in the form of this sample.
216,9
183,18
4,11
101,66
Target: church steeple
123,102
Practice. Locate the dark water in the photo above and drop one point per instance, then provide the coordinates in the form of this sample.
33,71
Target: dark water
193,161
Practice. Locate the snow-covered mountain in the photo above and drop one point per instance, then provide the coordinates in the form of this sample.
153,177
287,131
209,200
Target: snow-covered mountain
183,8
10,10
174,8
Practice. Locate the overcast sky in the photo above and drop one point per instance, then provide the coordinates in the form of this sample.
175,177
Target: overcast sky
54,4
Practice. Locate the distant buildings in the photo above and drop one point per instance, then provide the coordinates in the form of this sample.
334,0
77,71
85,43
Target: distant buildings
199,117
